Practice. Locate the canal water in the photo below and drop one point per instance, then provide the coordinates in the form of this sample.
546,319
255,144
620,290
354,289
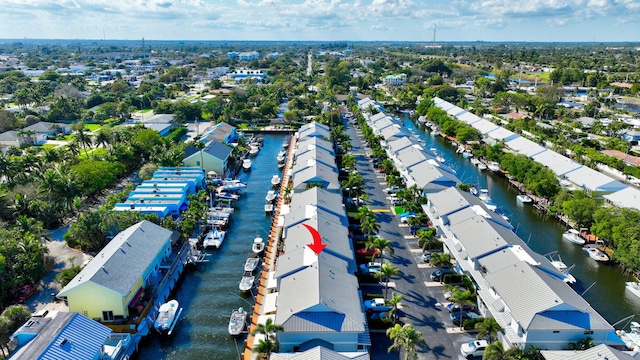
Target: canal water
544,235
210,292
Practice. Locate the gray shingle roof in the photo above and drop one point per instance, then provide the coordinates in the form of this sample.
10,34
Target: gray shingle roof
319,173
319,155
329,201
310,143
478,236
120,264
401,143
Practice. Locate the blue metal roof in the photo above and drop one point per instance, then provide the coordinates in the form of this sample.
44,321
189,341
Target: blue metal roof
81,338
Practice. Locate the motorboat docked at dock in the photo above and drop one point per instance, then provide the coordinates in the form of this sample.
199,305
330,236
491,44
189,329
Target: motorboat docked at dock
271,195
246,164
251,263
258,245
633,287
574,236
631,338
595,253
247,281
168,315
275,180
524,199
238,321
562,267
281,156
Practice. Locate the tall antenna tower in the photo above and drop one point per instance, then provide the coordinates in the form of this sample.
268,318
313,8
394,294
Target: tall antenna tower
434,35
143,52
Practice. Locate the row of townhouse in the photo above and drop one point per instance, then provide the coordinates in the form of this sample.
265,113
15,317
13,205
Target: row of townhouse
316,297
519,288
571,174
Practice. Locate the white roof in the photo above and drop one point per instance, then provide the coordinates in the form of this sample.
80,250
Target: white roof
628,197
593,180
484,126
524,146
557,163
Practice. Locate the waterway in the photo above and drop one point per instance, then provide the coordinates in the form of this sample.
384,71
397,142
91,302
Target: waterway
210,292
544,234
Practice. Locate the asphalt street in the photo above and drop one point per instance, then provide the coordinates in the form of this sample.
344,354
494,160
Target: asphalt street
423,303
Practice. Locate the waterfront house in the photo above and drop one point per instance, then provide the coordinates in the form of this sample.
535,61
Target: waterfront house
161,211
329,311
320,352
318,174
370,106
319,198
391,133
314,129
313,143
430,177
109,287
310,158
221,132
628,197
517,287
215,157
186,173
69,336
395,146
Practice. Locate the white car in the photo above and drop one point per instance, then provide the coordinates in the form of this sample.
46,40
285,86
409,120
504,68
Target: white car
473,349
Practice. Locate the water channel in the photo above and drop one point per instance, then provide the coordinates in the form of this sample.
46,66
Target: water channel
544,234
210,292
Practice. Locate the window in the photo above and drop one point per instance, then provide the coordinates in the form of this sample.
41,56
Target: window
107,315
588,332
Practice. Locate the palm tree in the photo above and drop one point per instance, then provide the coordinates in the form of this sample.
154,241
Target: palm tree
265,348
387,270
462,298
394,301
441,260
488,327
200,146
382,245
268,328
370,226
495,351
405,337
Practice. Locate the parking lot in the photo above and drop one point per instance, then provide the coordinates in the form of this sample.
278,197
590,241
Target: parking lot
423,303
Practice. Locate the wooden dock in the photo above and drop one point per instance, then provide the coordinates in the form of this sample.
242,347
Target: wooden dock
272,252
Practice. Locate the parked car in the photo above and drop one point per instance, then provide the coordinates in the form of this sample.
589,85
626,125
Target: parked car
449,294
455,307
370,268
459,317
439,274
392,189
474,348
404,217
376,305
426,256
25,292
365,252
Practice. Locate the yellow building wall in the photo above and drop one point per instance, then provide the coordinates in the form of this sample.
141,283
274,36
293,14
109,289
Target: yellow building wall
91,300
132,292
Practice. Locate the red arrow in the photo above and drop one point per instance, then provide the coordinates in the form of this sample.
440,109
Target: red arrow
317,246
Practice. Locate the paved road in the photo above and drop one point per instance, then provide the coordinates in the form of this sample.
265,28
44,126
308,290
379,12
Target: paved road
422,304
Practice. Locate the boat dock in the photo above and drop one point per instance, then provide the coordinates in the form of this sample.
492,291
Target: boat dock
270,256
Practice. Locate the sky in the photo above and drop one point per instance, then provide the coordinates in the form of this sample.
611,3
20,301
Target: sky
324,20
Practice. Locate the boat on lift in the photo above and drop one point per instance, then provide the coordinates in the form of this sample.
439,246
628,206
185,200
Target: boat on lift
574,236
251,263
214,238
247,281
271,195
275,180
168,315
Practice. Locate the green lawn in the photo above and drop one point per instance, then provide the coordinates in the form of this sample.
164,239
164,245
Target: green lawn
66,137
92,127
49,146
97,151
243,126
146,110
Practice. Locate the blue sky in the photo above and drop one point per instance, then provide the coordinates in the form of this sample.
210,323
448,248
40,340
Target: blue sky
356,20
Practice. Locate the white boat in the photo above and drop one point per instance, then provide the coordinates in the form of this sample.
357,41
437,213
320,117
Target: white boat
214,238
562,267
253,149
573,235
481,166
285,143
246,164
258,244
484,195
467,154
422,119
595,253
525,199
168,315
238,321
268,208
631,338
281,165
474,161
275,180
633,287
246,283
493,166
473,190
281,156
460,149
251,263
271,195
440,158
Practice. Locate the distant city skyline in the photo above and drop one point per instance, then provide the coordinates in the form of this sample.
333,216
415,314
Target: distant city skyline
324,20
